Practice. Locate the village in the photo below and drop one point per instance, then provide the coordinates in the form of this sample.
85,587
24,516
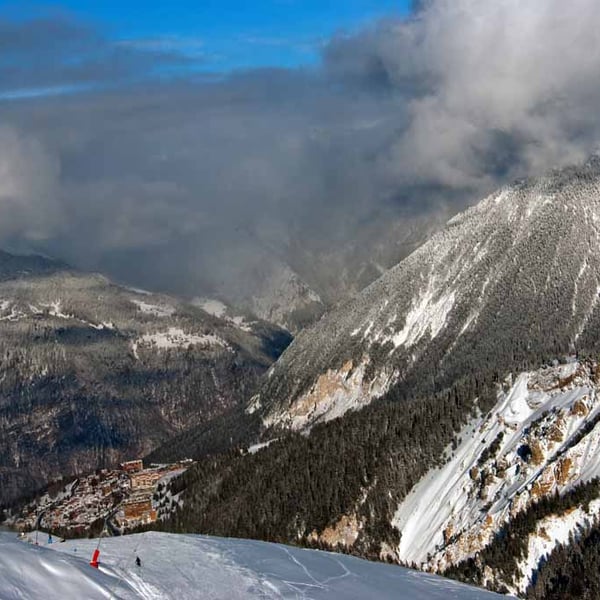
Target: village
119,500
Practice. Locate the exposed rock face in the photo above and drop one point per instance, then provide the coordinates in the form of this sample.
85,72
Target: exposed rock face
343,534
542,438
273,291
334,393
91,373
516,276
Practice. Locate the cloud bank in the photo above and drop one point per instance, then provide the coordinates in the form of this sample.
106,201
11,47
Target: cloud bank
193,184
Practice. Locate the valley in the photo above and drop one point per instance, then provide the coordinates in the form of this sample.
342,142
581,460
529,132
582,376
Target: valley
92,373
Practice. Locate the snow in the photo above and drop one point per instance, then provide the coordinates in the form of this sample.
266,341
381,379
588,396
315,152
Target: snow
254,448
472,317
193,566
425,315
550,533
15,314
54,310
216,308
138,290
103,325
31,572
584,266
538,410
175,337
516,409
241,323
313,296
588,313
157,310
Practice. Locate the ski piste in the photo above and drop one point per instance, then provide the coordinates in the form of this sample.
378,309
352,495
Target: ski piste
196,566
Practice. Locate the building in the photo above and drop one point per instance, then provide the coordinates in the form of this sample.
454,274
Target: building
132,466
145,479
139,509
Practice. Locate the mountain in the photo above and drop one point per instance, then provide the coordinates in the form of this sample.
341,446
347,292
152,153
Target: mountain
289,273
447,417
274,292
513,279
293,281
92,373
528,470
13,265
176,566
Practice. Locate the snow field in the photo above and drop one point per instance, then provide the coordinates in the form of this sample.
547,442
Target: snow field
192,566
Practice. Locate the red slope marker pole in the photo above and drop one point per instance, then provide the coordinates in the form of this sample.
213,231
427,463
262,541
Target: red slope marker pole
95,556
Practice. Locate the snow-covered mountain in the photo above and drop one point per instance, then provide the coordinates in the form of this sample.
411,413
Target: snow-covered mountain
449,414
92,373
540,439
515,277
184,566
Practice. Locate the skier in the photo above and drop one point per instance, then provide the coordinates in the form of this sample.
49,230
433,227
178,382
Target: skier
138,562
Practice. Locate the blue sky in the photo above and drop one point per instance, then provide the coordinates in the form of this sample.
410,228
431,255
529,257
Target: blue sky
226,34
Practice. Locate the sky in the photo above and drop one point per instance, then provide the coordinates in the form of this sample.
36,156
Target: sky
223,34
199,153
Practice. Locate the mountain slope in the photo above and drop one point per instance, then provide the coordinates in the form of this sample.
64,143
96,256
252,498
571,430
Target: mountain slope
515,277
287,274
185,566
541,439
474,364
274,292
92,373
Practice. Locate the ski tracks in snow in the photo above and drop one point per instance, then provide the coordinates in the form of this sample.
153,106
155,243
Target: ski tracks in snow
303,587
143,588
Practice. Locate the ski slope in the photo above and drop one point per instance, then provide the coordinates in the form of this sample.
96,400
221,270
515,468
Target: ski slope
192,566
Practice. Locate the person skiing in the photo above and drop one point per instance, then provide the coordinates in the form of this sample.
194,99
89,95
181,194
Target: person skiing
138,562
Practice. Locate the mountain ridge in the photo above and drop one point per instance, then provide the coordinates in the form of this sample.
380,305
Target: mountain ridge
441,298
92,373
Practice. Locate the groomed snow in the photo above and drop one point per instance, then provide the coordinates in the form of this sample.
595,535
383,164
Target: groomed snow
191,566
